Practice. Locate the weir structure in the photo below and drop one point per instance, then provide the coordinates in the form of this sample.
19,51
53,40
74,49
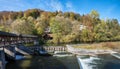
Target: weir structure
49,49
11,44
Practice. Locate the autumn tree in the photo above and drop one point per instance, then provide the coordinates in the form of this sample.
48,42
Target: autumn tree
32,12
22,26
41,23
60,27
64,26
94,14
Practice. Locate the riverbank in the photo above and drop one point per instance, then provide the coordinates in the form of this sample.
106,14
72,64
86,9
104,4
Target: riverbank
93,49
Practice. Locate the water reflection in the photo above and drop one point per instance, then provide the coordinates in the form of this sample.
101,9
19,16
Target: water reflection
19,57
43,62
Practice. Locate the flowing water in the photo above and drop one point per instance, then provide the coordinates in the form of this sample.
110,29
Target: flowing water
98,62
65,62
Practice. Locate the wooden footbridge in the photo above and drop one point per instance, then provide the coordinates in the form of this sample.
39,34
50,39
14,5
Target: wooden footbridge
10,44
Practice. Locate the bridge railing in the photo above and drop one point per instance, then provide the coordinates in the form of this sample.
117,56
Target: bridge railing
10,38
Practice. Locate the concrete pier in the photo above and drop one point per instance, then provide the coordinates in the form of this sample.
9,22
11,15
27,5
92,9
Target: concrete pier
9,45
2,59
21,49
10,52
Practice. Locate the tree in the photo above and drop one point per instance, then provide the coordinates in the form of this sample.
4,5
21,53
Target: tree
32,12
60,27
94,14
41,24
20,14
66,14
22,26
114,28
1,28
72,16
64,26
103,32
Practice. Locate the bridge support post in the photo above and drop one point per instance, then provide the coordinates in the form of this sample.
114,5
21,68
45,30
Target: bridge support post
10,52
2,59
21,49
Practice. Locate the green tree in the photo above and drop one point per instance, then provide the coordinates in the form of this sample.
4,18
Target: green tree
114,28
32,12
94,14
102,32
22,26
41,24
60,27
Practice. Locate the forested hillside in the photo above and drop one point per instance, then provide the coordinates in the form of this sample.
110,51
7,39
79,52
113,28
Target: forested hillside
65,27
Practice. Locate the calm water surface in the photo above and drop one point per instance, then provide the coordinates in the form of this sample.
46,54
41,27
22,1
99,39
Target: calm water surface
40,62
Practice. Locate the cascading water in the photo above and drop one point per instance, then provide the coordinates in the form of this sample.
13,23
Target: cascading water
98,62
88,62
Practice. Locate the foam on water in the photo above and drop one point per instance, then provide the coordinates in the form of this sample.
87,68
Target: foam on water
87,62
62,55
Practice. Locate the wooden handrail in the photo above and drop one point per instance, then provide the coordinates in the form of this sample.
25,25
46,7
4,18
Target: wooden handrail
7,38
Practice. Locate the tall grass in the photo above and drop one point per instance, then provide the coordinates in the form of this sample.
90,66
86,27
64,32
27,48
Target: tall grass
102,46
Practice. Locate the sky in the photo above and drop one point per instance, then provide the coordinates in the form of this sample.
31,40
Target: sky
106,8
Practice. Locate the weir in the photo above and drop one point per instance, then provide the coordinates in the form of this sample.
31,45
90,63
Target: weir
9,52
117,55
11,44
49,48
21,49
105,61
2,59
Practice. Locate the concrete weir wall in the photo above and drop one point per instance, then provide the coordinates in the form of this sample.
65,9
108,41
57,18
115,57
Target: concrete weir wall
21,49
48,48
53,48
2,59
10,52
9,43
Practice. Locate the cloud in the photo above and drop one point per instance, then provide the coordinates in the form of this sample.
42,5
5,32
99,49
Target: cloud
54,5
70,7
49,5
18,5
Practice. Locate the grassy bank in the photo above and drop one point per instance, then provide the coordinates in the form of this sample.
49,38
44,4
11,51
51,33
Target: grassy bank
101,46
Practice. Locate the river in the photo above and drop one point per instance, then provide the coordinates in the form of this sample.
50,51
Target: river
99,62
68,62
44,62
